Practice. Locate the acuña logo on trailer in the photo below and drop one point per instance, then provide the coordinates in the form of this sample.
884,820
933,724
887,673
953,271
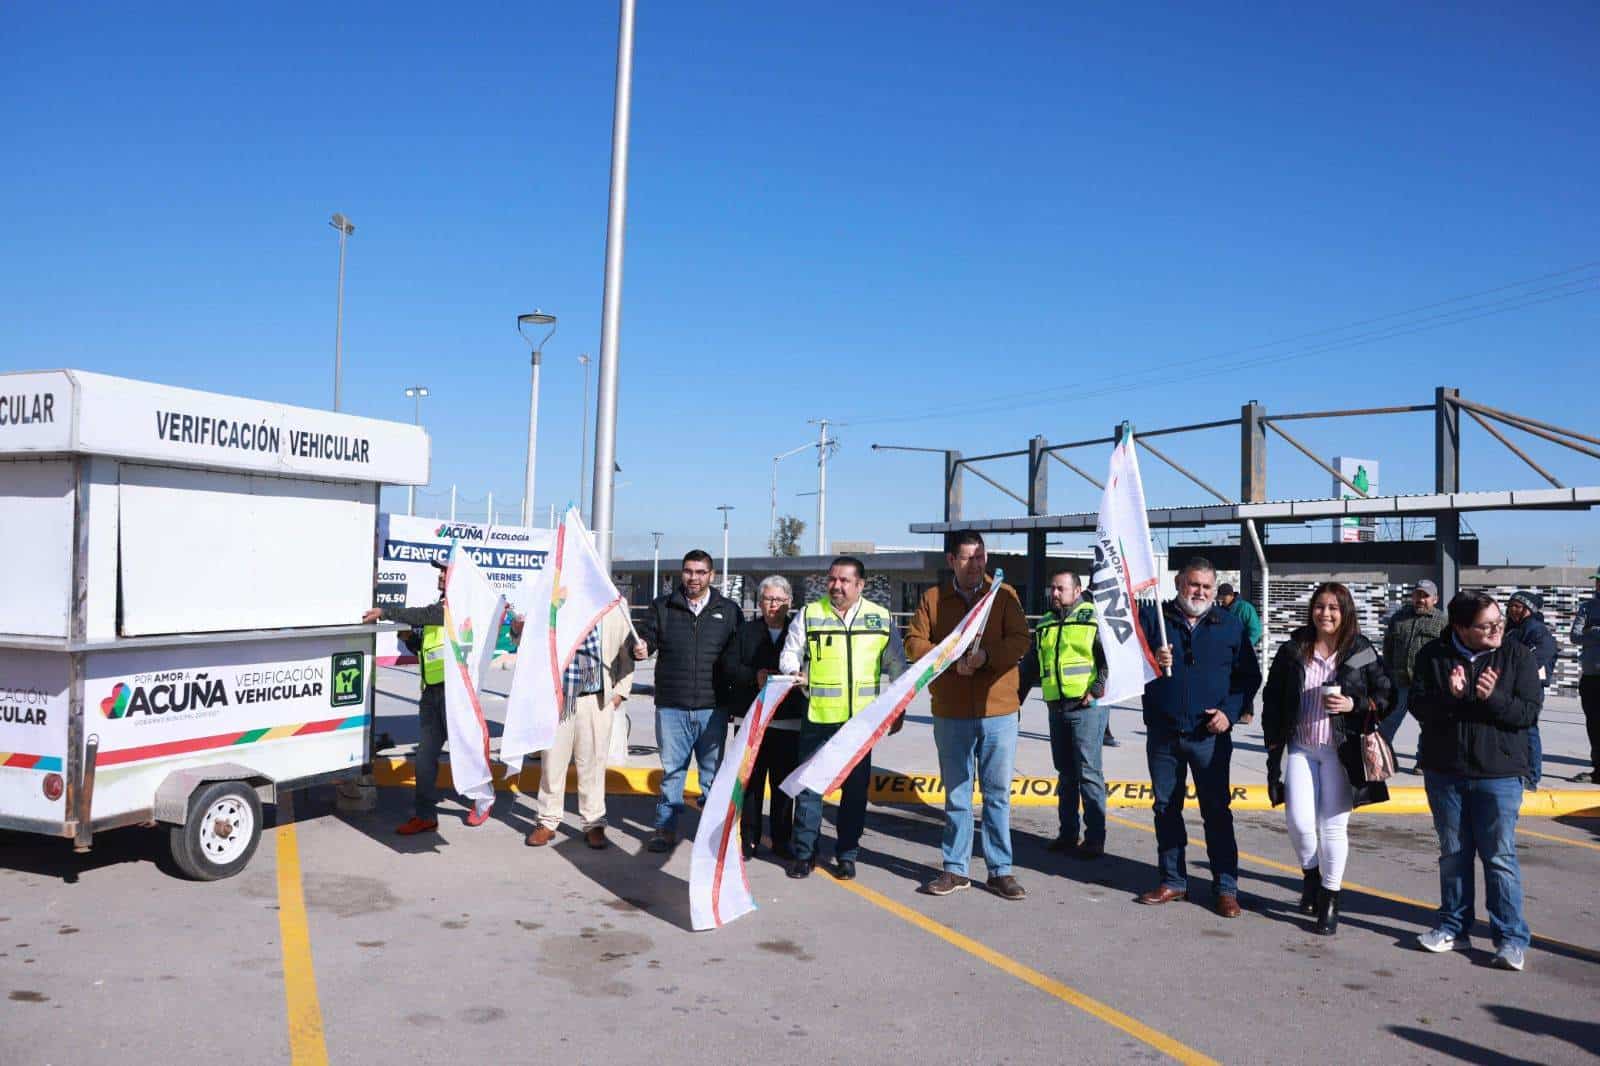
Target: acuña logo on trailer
455,531
166,698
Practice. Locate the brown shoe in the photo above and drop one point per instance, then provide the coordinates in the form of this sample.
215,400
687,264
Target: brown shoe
946,883
596,838
1227,906
1164,894
541,835
1006,887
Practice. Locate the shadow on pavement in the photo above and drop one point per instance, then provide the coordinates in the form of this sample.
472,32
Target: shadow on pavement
1457,1049
633,878
54,857
1584,1035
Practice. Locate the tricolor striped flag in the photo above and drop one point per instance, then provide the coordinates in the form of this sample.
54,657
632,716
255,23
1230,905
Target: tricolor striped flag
472,613
569,598
827,769
719,891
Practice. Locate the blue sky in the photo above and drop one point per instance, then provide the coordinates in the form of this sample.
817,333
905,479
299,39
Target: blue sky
946,225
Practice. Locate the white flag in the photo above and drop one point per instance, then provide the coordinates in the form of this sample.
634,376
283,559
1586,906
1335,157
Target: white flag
719,891
832,763
1124,566
569,597
472,613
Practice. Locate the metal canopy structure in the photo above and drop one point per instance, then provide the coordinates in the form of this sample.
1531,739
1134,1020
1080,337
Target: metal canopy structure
1444,505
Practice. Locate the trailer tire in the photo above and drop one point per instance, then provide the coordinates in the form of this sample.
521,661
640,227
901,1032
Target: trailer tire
221,833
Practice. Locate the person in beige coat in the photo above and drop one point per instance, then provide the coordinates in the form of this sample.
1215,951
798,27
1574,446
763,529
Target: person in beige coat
597,683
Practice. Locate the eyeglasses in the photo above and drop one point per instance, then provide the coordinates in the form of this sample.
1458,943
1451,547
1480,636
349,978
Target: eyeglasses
774,599
1489,627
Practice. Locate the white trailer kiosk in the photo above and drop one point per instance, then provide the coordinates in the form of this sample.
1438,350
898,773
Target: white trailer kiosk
184,575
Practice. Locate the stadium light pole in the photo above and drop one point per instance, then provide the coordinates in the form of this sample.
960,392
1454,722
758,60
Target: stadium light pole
345,228
525,323
417,394
605,431
725,508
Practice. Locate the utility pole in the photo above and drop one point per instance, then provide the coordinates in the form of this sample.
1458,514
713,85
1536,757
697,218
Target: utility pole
824,444
345,228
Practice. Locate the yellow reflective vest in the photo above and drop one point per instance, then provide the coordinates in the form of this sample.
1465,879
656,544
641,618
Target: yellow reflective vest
1066,652
845,661
433,655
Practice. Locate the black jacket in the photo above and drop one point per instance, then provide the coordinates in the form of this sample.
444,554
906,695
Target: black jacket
1360,674
753,650
688,647
1468,736
1535,635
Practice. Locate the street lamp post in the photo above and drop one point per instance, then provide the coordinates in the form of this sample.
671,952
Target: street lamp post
525,323
725,508
345,228
417,394
772,521
655,570
583,445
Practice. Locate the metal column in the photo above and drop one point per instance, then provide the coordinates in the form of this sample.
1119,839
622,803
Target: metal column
952,486
1038,504
1252,489
1447,478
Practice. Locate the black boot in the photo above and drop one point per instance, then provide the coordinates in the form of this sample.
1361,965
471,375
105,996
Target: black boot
1308,890
1327,912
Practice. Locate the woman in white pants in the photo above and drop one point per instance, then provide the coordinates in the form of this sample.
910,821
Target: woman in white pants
1327,686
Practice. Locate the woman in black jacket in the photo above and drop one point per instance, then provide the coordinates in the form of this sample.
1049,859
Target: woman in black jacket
745,666
1326,688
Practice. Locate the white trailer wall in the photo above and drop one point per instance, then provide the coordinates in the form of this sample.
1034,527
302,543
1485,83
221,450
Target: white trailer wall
205,551
36,530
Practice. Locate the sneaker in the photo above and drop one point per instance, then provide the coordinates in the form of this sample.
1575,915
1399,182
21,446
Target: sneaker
947,883
1436,940
1006,887
1111,741
1509,957
479,815
417,825
662,841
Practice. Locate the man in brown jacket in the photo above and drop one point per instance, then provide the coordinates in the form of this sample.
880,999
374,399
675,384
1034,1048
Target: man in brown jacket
975,716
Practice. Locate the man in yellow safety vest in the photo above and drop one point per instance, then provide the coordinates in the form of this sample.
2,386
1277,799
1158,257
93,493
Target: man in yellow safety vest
1072,677
849,648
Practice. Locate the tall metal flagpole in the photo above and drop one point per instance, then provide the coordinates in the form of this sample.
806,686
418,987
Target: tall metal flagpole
605,430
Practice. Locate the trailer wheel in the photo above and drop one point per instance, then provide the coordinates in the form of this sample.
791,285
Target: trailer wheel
222,831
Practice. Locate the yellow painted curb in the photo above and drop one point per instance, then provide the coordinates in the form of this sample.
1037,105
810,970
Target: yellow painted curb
889,788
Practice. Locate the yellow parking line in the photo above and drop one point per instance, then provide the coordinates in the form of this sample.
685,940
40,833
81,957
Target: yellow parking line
306,1044
1048,985
1367,890
1558,839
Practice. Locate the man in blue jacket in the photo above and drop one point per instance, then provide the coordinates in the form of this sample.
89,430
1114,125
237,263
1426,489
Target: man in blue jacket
1526,626
1210,675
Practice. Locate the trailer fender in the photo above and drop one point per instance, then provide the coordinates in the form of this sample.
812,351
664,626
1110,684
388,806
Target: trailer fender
172,797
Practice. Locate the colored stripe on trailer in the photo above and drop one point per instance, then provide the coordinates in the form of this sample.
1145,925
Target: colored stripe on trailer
23,761
228,740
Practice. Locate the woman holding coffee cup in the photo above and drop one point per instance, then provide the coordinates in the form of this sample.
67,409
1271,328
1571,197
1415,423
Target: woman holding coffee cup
1327,686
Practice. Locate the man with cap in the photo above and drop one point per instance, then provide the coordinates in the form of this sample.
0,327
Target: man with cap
1411,627
426,640
1527,627
1245,611
1586,635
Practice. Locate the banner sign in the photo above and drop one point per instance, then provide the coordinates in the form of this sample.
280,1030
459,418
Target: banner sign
408,546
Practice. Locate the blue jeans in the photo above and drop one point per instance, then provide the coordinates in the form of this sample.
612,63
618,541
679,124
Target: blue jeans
1478,816
992,744
1535,758
680,734
1076,743
852,800
1397,714
1171,758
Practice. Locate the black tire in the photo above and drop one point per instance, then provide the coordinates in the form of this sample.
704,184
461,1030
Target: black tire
221,833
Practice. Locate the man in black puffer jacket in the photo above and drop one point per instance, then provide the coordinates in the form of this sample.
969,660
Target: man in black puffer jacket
1476,695
689,628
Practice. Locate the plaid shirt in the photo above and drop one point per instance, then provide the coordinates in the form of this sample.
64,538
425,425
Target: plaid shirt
582,675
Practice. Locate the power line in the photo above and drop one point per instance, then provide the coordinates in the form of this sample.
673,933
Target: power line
1040,397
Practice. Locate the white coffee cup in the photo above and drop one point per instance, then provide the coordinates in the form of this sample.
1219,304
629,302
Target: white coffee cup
1330,690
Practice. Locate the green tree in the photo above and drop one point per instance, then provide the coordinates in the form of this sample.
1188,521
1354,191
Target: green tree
786,537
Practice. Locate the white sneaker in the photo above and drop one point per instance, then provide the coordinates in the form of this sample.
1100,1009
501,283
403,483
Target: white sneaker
1436,940
1509,957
